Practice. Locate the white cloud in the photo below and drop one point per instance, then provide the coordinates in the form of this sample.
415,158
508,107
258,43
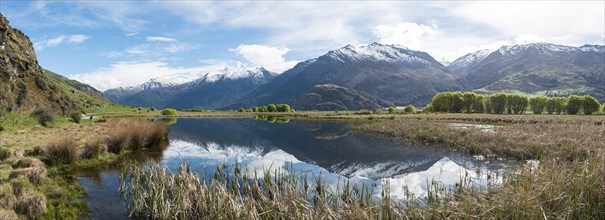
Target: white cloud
61,39
268,57
160,39
155,50
122,74
407,34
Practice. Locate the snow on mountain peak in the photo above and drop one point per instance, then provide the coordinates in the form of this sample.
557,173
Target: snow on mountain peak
545,48
236,72
471,57
379,52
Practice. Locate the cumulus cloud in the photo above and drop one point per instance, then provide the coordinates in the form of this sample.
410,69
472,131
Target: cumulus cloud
407,34
160,39
122,74
61,39
271,58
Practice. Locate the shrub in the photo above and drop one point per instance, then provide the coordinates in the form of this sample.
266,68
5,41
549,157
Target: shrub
168,111
31,203
479,104
43,116
263,109
428,108
538,103
517,103
255,109
271,108
283,107
392,110
574,104
75,117
409,109
241,110
61,151
590,105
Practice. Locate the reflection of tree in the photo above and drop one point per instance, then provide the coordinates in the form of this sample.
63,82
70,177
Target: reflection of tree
169,121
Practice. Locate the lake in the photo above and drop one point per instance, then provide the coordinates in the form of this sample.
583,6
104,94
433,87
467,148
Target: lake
315,148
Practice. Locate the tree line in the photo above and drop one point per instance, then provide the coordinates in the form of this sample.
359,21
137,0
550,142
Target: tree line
268,108
512,103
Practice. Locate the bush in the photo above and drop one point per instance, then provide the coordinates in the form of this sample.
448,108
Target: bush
263,109
590,105
255,109
271,108
392,110
498,102
76,117
241,110
283,107
134,135
603,108
61,151
409,109
574,104
517,103
168,111
43,116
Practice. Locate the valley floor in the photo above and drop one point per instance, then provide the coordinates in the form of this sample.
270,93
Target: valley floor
568,183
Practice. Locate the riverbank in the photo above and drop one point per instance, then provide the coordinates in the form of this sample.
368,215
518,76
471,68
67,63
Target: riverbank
39,164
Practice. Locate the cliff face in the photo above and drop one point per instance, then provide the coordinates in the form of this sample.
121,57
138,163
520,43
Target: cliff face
23,85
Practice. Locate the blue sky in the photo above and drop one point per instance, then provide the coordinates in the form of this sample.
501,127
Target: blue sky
119,43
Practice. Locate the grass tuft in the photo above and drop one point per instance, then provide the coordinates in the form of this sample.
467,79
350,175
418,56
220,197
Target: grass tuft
61,151
31,203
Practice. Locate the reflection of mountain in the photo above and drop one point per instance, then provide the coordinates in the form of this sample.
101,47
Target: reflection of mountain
327,144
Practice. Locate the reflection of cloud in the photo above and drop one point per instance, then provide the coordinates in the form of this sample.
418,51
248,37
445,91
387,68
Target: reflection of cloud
445,171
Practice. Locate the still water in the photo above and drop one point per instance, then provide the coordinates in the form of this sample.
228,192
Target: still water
315,148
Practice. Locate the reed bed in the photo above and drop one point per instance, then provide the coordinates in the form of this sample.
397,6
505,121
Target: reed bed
153,192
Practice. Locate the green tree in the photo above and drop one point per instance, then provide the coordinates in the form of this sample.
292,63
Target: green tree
479,104
560,104
409,109
574,104
538,103
428,108
392,110
517,103
440,102
498,102
590,105
550,105
168,111
283,107
603,108
263,109
488,105
457,102
271,108
255,109
468,100
241,110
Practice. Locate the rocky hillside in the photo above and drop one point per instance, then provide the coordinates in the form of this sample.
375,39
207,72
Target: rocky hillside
537,68
397,75
83,87
24,87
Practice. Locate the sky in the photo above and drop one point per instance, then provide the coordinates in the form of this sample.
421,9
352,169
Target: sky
109,44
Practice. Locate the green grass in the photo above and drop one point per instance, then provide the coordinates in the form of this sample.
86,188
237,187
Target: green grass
14,122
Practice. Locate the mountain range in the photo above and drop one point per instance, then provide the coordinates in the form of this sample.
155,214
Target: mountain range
375,75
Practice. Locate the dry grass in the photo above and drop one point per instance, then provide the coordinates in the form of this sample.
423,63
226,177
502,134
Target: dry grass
8,215
136,135
520,141
30,203
93,149
62,151
7,200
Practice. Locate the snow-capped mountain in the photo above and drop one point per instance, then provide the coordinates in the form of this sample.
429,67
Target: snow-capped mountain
536,68
381,53
207,90
386,74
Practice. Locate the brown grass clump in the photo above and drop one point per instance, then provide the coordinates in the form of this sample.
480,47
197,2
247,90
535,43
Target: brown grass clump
93,149
61,151
8,215
136,135
28,162
34,174
7,200
30,203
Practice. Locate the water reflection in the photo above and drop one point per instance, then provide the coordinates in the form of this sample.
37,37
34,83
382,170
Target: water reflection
313,148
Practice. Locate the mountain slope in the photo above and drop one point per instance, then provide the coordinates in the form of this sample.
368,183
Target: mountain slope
538,68
210,91
77,85
24,86
333,97
394,74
